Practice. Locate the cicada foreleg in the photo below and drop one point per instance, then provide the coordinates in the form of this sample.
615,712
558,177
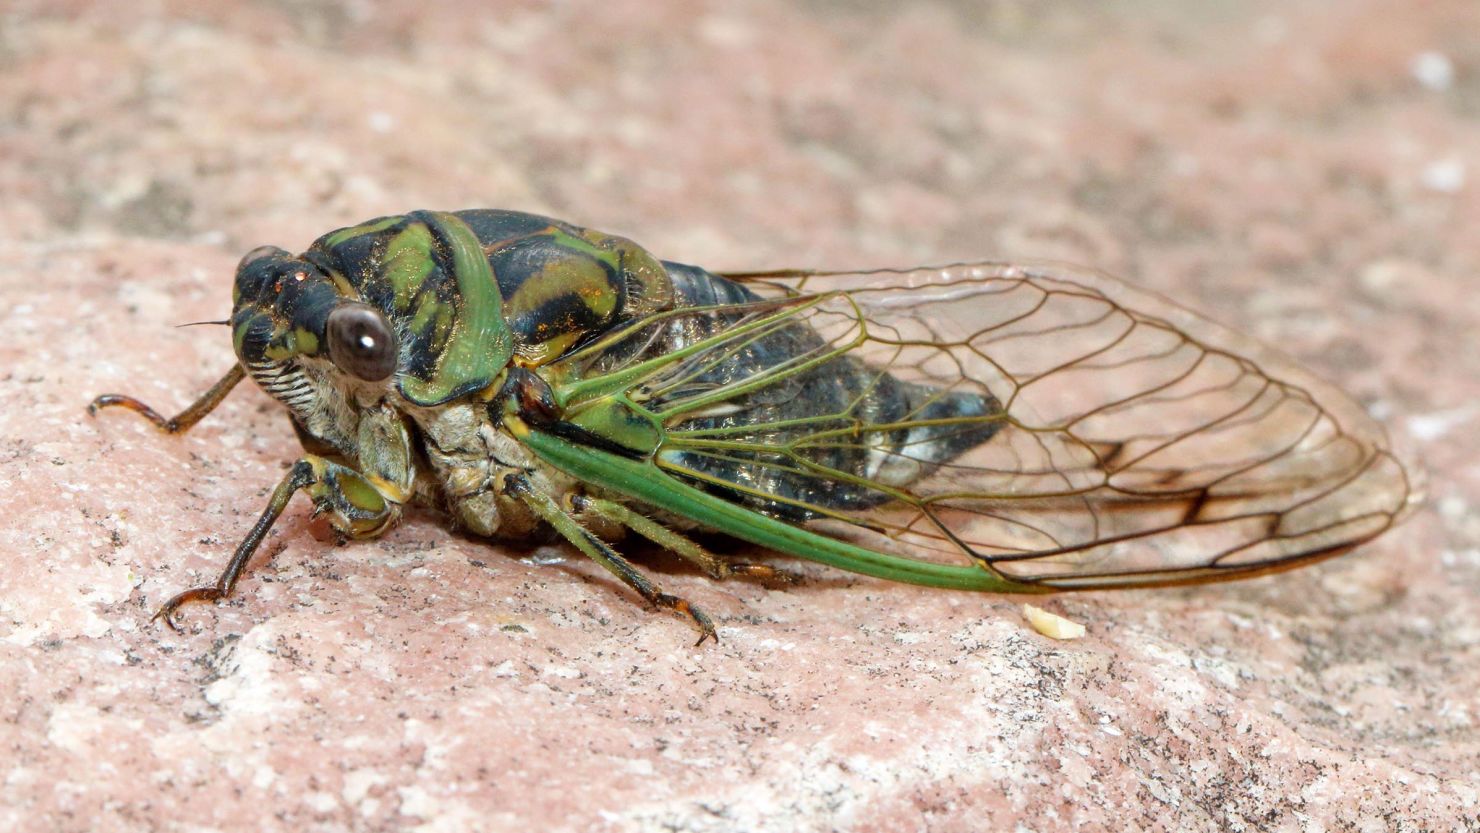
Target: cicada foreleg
350,501
548,510
713,565
182,421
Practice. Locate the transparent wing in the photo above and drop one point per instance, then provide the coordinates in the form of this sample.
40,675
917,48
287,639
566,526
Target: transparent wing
1059,427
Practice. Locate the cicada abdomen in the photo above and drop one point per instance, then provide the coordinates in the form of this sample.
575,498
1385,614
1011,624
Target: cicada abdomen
758,418
1059,428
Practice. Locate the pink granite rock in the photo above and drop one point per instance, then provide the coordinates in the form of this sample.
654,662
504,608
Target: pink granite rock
1302,170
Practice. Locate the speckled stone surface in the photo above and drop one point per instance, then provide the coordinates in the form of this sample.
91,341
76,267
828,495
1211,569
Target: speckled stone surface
1306,171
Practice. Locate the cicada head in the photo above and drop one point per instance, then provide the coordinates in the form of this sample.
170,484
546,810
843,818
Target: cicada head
402,306
286,311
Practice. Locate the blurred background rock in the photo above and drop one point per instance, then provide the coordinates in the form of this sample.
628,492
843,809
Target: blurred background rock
1305,171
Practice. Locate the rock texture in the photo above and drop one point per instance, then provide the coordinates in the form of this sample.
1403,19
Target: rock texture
1302,170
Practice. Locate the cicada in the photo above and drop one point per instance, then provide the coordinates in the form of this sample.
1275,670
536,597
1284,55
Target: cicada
987,426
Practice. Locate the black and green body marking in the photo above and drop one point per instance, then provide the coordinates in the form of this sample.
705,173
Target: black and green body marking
527,374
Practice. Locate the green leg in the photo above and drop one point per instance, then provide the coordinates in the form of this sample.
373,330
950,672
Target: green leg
717,568
597,550
353,505
181,422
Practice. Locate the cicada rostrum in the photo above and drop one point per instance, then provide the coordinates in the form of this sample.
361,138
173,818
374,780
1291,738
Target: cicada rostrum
985,426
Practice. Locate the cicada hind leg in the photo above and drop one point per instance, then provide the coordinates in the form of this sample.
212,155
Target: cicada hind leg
549,511
713,565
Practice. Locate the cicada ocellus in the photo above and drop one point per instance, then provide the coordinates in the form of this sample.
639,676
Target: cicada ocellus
985,426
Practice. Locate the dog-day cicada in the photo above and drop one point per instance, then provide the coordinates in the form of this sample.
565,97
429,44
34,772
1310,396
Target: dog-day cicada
986,426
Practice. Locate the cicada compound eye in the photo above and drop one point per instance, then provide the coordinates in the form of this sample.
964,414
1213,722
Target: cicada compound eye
361,342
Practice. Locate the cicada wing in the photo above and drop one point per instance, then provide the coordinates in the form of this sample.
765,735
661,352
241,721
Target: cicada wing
1059,427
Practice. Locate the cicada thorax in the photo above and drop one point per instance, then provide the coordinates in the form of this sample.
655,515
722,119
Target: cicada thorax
474,290
469,295
836,415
